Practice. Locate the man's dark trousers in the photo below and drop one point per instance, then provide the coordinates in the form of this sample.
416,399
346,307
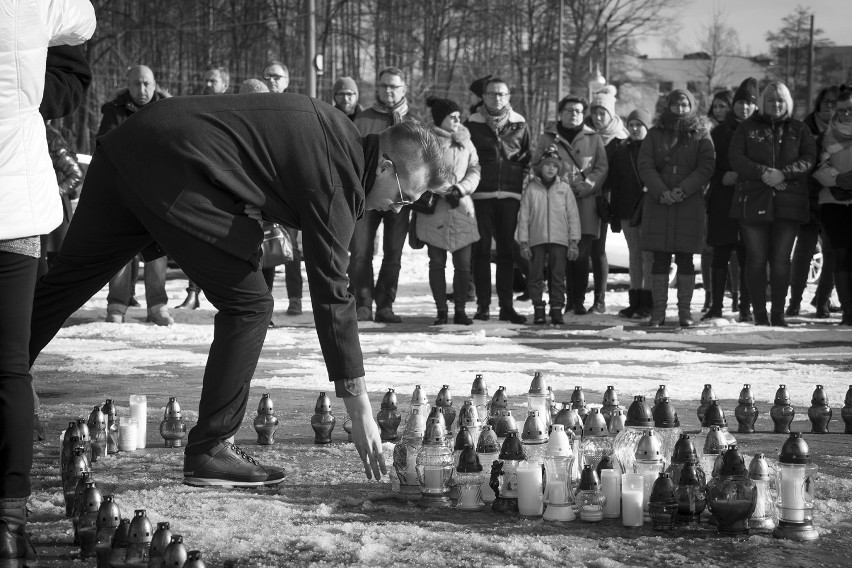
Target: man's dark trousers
111,225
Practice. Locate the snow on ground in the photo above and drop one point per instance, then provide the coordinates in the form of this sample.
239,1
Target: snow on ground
326,513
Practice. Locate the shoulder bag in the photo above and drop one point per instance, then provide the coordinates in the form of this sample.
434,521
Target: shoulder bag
277,247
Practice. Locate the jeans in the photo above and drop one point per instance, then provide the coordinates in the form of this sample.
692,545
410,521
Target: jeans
806,241
112,225
497,219
438,280
556,258
600,266
639,261
769,243
361,257
663,262
721,259
121,285
17,282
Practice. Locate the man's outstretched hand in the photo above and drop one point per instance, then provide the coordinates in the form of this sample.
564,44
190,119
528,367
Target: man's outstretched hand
365,434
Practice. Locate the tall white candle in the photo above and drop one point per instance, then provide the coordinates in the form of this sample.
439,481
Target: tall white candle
529,489
139,412
127,434
631,499
792,494
611,486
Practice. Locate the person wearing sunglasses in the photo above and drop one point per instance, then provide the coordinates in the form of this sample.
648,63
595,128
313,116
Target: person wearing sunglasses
198,188
277,76
391,107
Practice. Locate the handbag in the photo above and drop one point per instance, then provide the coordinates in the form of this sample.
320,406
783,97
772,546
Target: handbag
276,247
426,203
604,209
636,214
757,204
413,241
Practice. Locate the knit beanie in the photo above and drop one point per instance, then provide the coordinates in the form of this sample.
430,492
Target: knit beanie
253,86
478,86
676,94
641,115
550,156
605,98
747,91
344,84
441,109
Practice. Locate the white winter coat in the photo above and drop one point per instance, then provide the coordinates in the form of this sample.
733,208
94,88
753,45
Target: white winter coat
29,201
548,215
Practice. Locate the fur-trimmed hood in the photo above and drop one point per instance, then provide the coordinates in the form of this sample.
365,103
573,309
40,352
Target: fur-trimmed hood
459,138
514,118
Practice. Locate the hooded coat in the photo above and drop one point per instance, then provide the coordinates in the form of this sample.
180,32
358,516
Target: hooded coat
447,228
676,153
722,229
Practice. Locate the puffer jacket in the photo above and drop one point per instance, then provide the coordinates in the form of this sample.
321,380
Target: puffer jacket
122,107
759,144
669,159
447,228
28,202
623,177
504,157
588,150
548,215
722,229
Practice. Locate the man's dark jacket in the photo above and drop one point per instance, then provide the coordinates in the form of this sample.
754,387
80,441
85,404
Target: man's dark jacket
196,162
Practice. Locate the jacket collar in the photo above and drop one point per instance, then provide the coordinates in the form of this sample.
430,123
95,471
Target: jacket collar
514,118
459,138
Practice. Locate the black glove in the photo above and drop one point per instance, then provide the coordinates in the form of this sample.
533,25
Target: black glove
844,181
454,197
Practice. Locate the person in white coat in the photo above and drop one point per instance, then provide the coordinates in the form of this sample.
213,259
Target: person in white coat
28,208
548,232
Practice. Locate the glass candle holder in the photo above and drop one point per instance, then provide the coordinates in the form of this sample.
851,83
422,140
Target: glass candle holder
139,412
611,487
590,499
530,499
632,498
795,479
479,395
128,433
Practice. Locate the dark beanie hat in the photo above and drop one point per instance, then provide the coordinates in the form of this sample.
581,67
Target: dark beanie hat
478,86
641,115
747,91
441,109
347,83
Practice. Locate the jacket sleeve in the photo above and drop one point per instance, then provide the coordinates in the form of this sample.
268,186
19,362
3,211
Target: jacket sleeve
110,119
600,166
468,183
746,168
525,154
574,229
807,156
648,169
67,77
71,22
704,167
523,233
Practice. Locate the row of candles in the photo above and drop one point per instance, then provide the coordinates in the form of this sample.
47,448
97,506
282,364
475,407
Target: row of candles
596,463
99,528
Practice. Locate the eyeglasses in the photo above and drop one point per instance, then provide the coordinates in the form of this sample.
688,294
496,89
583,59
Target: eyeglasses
387,87
402,199
844,112
573,110
345,94
274,77
497,95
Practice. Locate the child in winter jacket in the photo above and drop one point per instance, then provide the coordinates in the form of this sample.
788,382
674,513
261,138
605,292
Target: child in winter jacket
548,231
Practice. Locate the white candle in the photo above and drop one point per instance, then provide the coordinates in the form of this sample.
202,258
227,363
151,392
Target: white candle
631,499
433,480
529,489
611,486
139,412
127,434
792,494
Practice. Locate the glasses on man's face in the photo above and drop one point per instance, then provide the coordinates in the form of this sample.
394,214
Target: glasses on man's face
388,87
497,95
274,77
403,201
346,94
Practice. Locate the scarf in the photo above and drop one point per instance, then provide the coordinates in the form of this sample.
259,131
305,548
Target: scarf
568,133
821,123
497,119
615,129
370,143
840,132
686,124
397,111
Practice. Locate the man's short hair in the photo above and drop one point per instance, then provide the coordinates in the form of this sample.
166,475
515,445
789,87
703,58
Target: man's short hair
492,80
392,71
272,62
411,145
223,72
572,100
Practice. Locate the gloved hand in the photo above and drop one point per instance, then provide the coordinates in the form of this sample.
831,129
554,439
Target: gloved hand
573,251
526,253
678,195
844,181
453,197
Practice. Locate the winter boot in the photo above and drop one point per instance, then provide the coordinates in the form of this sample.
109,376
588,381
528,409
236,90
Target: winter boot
159,315
776,319
843,284
556,315
510,315
660,294
717,289
646,303
685,288
538,314
633,304
482,313
599,306
191,303
460,317
115,313
294,308
442,318
15,547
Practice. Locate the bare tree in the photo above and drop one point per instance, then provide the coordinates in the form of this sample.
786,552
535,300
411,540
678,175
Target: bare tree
718,41
789,44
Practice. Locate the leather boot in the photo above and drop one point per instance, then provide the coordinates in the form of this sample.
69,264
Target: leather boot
843,285
442,318
599,305
717,289
538,314
660,295
460,317
646,303
633,304
556,316
482,313
15,546
685,288
191,303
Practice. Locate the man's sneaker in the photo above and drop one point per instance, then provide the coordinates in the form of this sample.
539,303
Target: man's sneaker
159,315
227,465
295,307
386,315
364,313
